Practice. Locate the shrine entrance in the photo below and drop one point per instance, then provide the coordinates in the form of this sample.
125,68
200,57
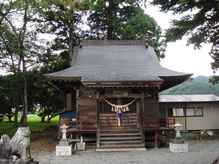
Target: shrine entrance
118,112
120,124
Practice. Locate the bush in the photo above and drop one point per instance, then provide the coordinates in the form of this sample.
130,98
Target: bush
1,117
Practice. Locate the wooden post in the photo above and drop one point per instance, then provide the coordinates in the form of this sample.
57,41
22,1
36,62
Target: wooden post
157,121
142,119
68,101
98,121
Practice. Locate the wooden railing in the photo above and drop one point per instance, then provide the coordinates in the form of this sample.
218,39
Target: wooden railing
162,122
82,125
110,119
166,122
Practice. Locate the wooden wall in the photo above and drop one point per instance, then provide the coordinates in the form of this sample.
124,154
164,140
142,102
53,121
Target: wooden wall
151,112
87,109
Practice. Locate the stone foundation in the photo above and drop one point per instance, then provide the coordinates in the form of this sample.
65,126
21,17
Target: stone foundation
63,150
179,147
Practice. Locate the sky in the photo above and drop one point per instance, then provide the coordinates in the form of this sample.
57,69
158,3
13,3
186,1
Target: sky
180,57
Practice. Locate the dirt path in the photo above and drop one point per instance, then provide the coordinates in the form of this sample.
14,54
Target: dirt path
44,141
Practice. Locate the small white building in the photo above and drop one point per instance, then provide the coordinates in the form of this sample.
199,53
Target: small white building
194,112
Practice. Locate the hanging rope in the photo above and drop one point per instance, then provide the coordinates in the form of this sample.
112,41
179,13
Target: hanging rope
116,108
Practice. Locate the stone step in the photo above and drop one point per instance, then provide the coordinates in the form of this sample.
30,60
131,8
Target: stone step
121,143
119,134
121,148
120,138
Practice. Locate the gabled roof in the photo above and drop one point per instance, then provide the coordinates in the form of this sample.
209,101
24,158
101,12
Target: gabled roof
110,61
188,98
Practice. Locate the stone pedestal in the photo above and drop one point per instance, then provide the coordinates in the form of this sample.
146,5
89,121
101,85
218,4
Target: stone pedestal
63,150
179,147
80,146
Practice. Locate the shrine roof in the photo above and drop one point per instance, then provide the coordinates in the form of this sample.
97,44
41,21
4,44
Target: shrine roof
115,61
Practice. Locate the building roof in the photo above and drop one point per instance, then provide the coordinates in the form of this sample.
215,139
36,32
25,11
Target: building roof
116,61
188,98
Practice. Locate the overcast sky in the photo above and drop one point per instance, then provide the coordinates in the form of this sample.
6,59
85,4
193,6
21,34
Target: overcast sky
180,57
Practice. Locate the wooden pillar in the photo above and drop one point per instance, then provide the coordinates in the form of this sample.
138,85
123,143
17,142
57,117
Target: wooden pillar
68,101
142,119
157,119
98,121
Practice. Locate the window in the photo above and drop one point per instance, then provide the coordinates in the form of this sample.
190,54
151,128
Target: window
198,111
172,112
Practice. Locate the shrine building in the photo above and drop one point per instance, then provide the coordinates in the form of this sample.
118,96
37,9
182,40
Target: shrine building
117,84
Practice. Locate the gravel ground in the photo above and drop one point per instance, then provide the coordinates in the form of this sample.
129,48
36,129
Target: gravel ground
200,152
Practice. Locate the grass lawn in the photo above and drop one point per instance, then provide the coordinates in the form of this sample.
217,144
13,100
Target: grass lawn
33,123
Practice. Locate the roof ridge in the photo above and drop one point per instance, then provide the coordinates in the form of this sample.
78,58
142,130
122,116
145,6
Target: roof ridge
113,42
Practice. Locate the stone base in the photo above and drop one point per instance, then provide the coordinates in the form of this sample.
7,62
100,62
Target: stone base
179,147
18,161
80,146
63,150
63,143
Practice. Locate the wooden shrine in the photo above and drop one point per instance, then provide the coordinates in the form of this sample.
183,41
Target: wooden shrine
116,85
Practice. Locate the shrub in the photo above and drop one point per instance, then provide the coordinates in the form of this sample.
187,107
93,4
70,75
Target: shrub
1,117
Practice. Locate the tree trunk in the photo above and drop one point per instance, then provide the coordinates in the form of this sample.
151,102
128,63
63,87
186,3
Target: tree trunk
9,118
49,118
25,109
22,47
110,21
43,118
15,124
70,43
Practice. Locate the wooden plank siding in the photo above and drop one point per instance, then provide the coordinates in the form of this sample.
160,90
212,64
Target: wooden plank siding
87,113
151,114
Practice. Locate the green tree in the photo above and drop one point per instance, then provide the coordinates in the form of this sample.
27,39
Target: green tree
105,14
60,19
7,98
124,20
44,99
20,45
199,21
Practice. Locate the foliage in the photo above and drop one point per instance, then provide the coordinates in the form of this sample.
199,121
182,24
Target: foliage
122,19
199,85
199,21
44,99
7,95
23,47
106,14
60,19
20,44
1,117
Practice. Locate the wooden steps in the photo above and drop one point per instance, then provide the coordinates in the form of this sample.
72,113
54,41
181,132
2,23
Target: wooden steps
120,138
120,142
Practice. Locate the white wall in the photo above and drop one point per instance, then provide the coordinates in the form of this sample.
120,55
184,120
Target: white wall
209,120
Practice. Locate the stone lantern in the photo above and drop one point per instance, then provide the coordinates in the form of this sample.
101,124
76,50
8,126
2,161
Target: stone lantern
63,148
64,131
177,144
178,127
